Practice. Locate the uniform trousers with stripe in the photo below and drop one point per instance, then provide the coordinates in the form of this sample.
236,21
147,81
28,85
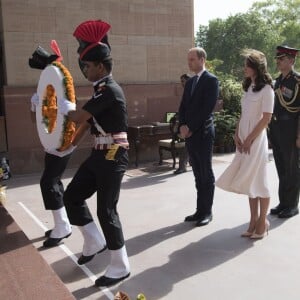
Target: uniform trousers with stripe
51,186
286,156
97,174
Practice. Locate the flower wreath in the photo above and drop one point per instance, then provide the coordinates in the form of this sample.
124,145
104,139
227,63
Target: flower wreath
49,107
55,130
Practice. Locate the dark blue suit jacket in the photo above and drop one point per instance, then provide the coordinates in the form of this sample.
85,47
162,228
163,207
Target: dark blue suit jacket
198,107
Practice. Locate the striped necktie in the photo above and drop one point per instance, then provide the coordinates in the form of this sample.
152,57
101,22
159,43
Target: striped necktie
194,83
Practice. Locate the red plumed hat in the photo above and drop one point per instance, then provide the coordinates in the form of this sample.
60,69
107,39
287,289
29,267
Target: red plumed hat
91,31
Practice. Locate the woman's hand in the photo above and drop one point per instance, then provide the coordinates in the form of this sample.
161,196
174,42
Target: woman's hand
238,143
246,145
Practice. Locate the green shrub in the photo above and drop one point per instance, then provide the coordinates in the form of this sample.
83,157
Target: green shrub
231,94
225,124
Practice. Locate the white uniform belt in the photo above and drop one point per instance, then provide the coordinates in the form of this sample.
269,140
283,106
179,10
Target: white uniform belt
105,142
102,140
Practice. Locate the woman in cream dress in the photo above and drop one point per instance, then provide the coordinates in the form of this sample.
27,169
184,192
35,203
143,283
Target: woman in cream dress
247,172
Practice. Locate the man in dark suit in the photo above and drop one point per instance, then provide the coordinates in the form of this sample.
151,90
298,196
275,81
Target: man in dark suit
196,126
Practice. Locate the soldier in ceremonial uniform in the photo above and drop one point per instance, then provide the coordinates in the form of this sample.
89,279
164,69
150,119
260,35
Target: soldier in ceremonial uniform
102,172
285,133
55,163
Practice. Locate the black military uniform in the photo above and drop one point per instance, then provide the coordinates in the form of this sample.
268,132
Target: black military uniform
98,173
283,135
103,170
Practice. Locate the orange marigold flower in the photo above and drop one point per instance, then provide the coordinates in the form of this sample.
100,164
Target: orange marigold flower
69,127
49,108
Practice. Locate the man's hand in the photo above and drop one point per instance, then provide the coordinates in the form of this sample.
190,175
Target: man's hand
65,106
34,102
298,142
61,153
185,131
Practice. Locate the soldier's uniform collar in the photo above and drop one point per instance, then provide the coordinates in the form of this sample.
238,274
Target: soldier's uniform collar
291,73
98,85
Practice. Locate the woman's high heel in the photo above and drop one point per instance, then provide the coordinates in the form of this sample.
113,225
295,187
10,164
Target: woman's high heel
250,231
247,234
261,236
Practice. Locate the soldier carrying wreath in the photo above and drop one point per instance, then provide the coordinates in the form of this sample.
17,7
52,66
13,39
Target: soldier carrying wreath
56,133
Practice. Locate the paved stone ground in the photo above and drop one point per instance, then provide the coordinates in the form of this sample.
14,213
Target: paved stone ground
24,273
171,259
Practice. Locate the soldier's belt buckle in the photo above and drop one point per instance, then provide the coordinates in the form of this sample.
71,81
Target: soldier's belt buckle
115,152
111,153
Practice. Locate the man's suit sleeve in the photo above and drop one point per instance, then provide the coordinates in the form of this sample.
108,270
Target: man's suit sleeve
204,103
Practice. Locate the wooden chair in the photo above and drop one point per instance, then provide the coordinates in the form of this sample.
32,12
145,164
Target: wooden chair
173,145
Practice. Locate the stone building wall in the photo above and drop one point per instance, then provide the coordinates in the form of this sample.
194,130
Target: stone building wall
149,40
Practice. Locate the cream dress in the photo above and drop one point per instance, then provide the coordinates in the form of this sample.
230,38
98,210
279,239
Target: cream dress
247,173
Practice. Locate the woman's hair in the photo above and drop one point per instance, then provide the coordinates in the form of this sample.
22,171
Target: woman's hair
257,61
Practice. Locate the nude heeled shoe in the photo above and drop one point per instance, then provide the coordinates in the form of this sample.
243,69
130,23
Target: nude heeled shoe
247,234
261,236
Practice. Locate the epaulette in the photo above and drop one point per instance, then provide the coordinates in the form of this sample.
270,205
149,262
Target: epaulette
101,87
297,77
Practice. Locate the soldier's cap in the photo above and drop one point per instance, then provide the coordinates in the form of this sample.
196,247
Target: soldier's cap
284,50
95,52
41,58
90,32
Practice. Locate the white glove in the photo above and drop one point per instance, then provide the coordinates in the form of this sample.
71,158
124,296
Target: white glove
64,106
34,102
61,153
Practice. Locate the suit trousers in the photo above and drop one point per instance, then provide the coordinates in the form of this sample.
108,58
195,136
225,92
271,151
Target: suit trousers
183,158
286,157
103,176
200,149
51,186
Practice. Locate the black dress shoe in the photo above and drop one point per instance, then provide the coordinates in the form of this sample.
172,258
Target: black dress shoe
276,210
84,259
107,281
288,213
52,242
179,171
48,232
204,220
195,217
